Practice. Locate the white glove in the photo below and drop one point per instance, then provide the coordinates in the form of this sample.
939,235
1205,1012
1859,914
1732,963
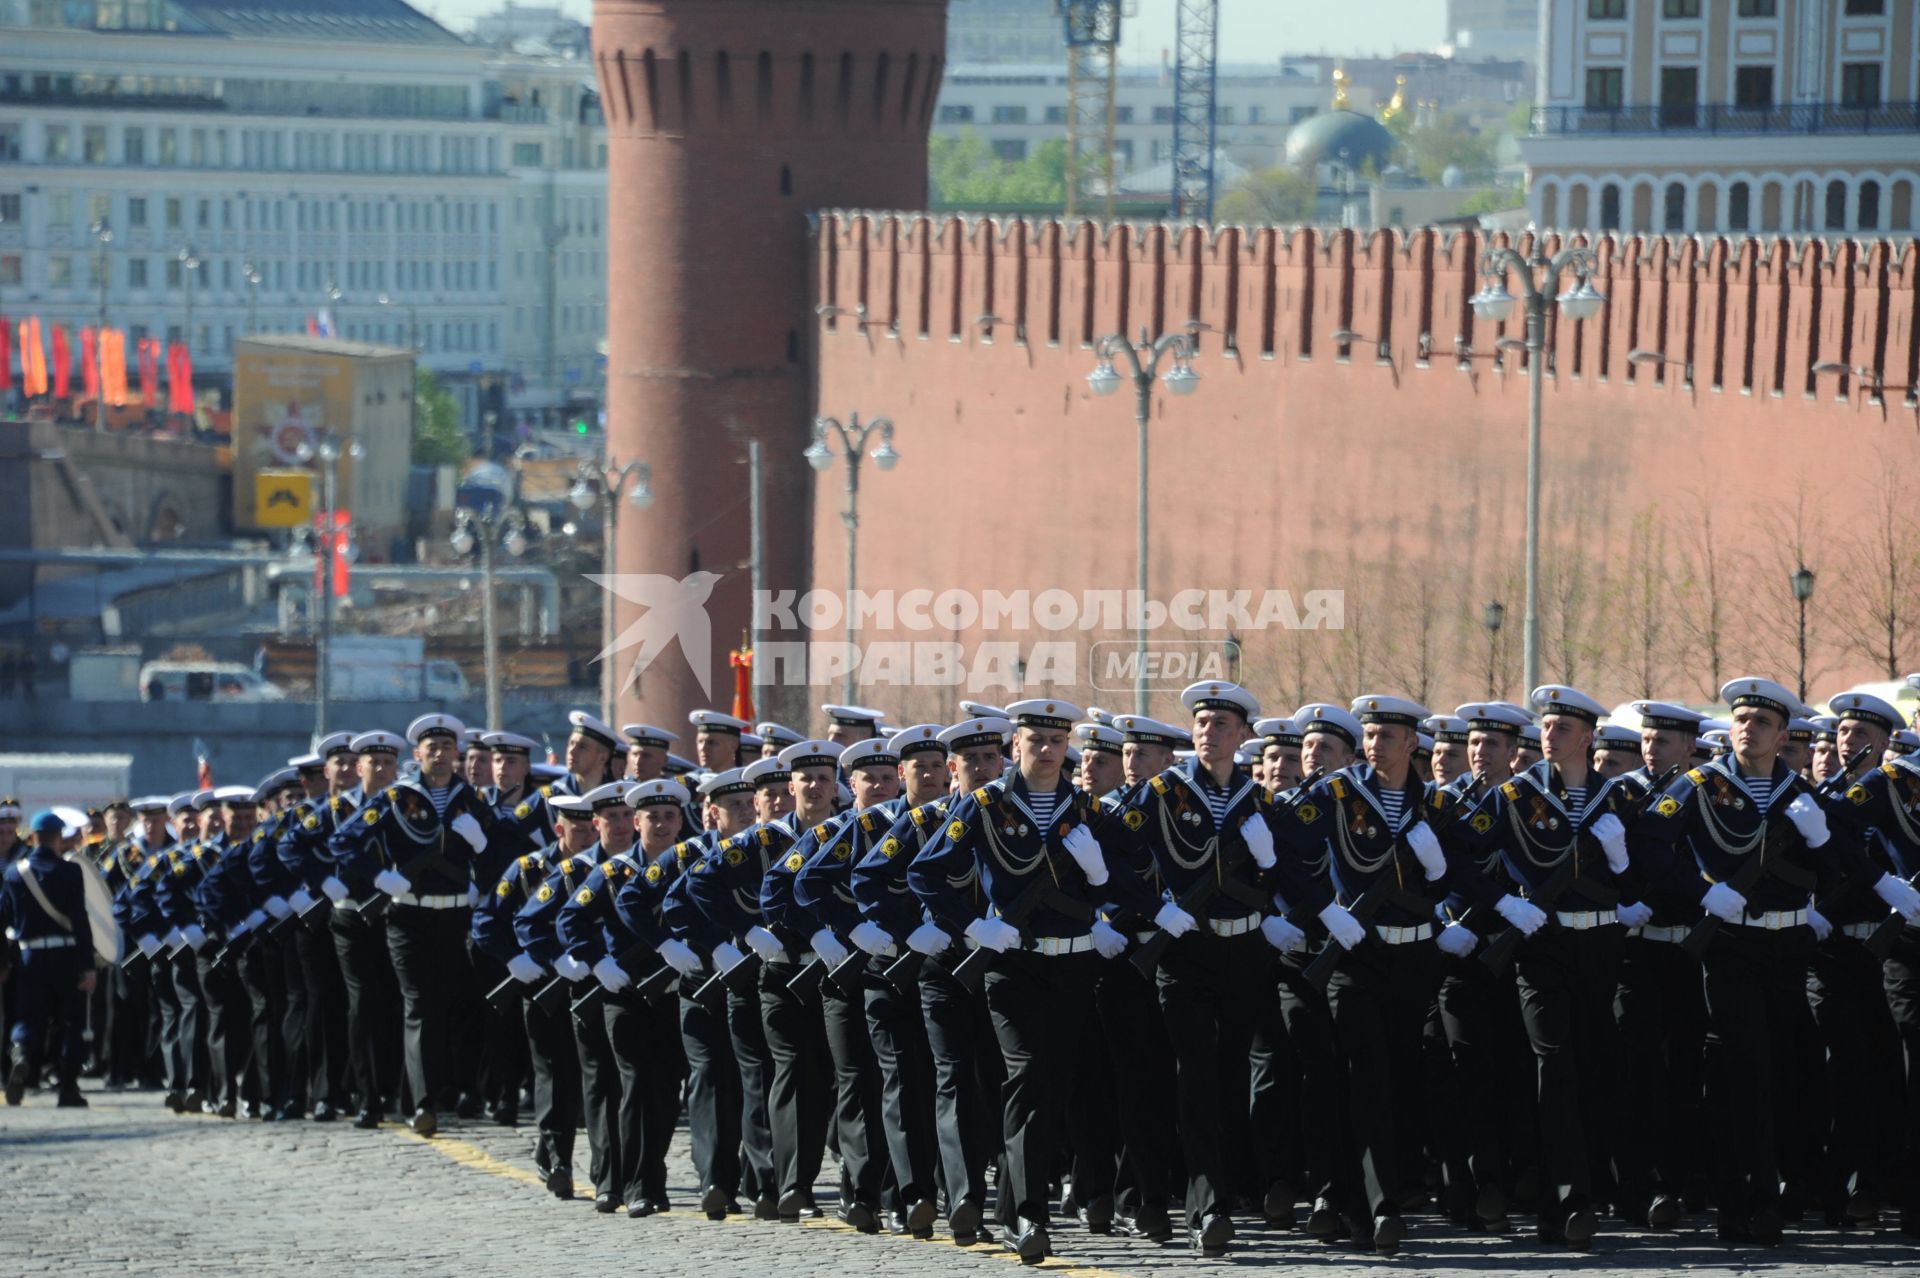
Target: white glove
678,955
1523,915
256,918
827,947
1342,926
278,907
525,969
241,928
1901,896
870,936
1724,903
336,890
765,944
392,882
1634,914
572,968
997,935
1809,819
1259,841
1456,940
611,975
1107,942
1822,929
301,901
473,897
194,936
1281,934
1173,920
1086,853
726,957
1613,840
929,939
175,939
148,944
1426,849
469,829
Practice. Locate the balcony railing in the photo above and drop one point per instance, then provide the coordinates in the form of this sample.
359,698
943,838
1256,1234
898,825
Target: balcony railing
1726,119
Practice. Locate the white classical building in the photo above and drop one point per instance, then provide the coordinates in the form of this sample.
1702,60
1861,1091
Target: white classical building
1796,116
255,164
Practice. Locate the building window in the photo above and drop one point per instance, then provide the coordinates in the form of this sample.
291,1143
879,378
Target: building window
1012,150
1753,87
136,272
1123,115
1865,8
10,269
1739,196
93,144
1869,219
1676,207
169,148
1605,88
59,144
1836,205
1679,97
59,271
9,143
1758,8
136,210
1606,10
171,209
1680,8
135,146
527,155
1860,85
1610,207
59,208
958,113
1009,115
1164,114
10,207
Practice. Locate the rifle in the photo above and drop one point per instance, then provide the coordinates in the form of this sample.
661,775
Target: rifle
1499,951
1702,933
552,995
1040,890
652,987
1880,941
738,979
503,996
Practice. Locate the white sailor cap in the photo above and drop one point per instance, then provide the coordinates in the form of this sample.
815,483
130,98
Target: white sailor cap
659,792
1665,715
1826,727
10,809
1073,758
570,805
918,739
1098,736
1103,717
1719,741
1493,716
646,734
986,729
611,795
274,782
470,740
714,721
1447,727
983,710
307,762
1913,681
1181,756
1220,695
1558,698
732,781
204,799
1377,708
1800,730
680,765
378,743
1138,728
585,723
182,802
508,743
334,743
1278,732
1903,741
435,725
1530,735
777,734
853,716
1867,708
885,727
811,753
1705,747
1614,736
1764,693
1245,758
620,747
1719,725
767,771
1422,741
1043,712
1324,716
874,752
149,803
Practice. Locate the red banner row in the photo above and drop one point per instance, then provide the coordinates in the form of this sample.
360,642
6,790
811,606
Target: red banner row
103,365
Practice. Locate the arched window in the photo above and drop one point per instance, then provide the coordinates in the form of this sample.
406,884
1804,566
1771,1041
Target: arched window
1739,215
1610,207
1869,219
1675,212
1836,219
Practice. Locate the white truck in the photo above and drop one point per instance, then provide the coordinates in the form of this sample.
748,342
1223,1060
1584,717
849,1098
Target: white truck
73,780
390,668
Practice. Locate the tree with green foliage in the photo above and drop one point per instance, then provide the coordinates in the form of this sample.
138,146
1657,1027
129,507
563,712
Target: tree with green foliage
1445,142
1493,200
963,171
1280,195
437,437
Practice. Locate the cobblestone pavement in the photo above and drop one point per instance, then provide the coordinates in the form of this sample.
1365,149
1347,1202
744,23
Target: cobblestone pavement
125,1187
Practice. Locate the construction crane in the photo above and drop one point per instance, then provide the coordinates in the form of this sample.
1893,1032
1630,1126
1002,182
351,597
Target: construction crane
1093,37
1195,82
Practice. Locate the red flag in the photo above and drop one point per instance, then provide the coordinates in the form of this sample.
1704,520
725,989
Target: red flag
62,364
332,548
89,364
33,359
113,365
203,775
150,371
742,661
6,355
313,327
179,379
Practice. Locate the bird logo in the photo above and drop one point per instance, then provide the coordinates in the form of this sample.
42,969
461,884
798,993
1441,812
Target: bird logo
673,610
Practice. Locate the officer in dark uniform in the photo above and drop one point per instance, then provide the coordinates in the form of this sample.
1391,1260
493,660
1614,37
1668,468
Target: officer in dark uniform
1706,828
43,908
173,896
271,964
244,1081
143,920
307,862
133,1056
589,758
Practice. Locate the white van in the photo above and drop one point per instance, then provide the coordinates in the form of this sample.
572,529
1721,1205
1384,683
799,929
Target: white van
205,681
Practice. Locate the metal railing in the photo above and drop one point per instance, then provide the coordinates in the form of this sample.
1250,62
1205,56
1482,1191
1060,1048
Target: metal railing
1721,118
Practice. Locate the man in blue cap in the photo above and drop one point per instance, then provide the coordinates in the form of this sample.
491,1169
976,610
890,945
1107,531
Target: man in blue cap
43,907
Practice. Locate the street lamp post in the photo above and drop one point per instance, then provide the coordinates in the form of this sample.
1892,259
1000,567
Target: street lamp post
1539,276
1491,616
853,442
328,454
103,236
189,270
479,532
413,321
603,487
250,272
1105,379
1801,579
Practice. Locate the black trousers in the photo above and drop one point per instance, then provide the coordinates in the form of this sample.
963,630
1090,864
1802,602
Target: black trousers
1135,1035
647,1055
366,971
1661,1011
1902,984
713,1093
229,1042
749,1035
183,1034
967,1076
1486,1126
1210,989
263,978
128,1060
429,961
1324,1145
329,1072
1378,998
49,1007
599,1094
556,1085
856,1095
503,1065
1567,980
797,1087
292,1025
1846,994
1756,997
1040,1005
899,1035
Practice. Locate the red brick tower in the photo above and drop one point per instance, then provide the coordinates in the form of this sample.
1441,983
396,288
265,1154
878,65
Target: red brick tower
729,122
